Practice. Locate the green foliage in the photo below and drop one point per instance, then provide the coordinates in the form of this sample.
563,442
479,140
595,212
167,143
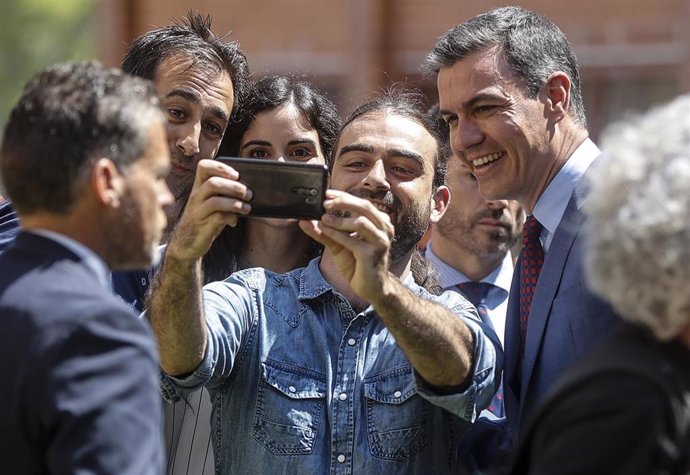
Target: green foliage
38,33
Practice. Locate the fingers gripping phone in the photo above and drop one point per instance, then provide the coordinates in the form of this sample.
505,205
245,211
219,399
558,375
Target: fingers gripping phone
282,189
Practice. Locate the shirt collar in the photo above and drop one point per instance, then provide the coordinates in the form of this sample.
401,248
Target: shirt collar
551,205
88,257
312,283
500,277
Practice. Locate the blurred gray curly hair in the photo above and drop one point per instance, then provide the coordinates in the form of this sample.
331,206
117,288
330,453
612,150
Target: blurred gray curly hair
638,234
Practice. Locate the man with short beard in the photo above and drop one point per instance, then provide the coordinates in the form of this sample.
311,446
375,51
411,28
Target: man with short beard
347,365
201,79
84,160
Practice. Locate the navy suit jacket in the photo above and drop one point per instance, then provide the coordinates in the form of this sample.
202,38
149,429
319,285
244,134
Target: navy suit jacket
79,370
566,320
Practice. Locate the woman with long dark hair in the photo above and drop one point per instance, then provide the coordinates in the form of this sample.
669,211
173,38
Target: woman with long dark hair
284,118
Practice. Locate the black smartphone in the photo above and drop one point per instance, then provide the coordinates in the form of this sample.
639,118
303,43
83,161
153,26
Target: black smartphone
282,189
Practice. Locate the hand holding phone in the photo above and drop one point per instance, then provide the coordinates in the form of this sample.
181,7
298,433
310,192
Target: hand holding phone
282,189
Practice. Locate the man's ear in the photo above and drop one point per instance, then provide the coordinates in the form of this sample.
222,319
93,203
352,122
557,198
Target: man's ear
439,204
107,183
557,90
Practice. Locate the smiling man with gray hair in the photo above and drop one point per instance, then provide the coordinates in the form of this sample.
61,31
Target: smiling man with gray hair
509,89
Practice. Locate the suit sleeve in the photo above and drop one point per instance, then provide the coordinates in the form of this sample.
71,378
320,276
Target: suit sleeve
101,404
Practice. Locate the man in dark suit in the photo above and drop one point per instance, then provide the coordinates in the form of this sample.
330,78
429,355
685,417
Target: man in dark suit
509,88
83,159
625,408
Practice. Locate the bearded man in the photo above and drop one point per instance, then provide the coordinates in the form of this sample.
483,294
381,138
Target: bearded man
347,365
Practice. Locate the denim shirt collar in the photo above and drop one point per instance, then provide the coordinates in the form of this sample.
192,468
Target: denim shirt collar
313,284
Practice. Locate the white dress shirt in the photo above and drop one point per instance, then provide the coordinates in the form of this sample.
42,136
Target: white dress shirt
551,205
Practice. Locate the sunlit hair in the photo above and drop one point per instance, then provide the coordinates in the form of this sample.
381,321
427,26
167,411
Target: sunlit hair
190,37
534,47
638,247
69,116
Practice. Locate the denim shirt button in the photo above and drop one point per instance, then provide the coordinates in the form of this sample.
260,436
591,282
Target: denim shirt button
351,342
397,394
342,397
292,389
341,458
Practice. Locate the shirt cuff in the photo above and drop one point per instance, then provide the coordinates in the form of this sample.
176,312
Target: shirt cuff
172,387
469,402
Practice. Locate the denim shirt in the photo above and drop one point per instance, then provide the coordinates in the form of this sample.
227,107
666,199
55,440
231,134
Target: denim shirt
300,383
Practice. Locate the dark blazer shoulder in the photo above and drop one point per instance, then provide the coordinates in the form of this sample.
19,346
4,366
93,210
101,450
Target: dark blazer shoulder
50,284
628,393
73,357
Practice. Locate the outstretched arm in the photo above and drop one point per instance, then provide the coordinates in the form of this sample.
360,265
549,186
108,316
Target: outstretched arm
175,306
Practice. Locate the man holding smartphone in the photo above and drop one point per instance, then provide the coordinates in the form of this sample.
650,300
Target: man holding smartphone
347,365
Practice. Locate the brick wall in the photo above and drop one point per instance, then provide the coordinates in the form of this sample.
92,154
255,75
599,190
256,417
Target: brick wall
632,52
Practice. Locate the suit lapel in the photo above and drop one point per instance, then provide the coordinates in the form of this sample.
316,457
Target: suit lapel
549,281
511,354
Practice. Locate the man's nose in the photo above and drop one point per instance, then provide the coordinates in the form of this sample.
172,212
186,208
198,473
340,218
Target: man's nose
497,204
376,178
465,135
188,143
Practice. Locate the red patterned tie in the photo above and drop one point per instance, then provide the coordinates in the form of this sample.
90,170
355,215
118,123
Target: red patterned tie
531,260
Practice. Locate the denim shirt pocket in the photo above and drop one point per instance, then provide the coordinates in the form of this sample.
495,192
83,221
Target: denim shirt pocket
397,417
289,408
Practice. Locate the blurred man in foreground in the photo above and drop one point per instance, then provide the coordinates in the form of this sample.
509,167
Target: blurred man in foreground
84,160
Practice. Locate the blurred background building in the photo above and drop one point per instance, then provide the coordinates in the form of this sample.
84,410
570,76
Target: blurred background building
632,53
